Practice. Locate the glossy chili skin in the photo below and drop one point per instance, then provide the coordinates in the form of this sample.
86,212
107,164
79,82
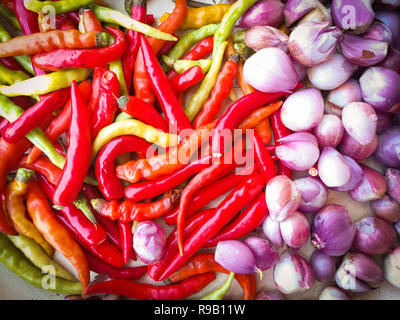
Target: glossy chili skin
5,224
32,117
241,196
247,221
143,111
82,58
109,184
264,161
107,106
78,154
91,233
44,167
187,79
150,189
99,266
170,105
125,229
144,291
209,193
204,262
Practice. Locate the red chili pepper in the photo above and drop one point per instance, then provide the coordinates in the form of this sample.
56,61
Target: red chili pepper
200,51
218,169
28,20
167,47
9,4
170,105
95,96
125,229
91,233
150,19
249,220
150,189
61,123
33,116
90,21
264,160
104,251
63,23
45,167
138,12
143,291
240,197
110,210
107,106
11,64
78,154
143,111
211,192
100,267
82,58
5,225
222,89
109,184
74,16
187,79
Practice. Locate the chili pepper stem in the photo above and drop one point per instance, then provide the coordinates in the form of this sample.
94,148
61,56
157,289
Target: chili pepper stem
24,175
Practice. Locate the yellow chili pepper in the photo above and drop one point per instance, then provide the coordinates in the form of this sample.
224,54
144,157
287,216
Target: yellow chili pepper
16,210
45,83
9,77
136,128
198,17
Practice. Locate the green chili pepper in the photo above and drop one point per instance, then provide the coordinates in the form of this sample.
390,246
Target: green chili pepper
12,112
45,83
220,292
14,259
229,21
61,6
183,65
202,94
108,15
35,253
116,67
9,77
190,39
24,60
239,36
10,17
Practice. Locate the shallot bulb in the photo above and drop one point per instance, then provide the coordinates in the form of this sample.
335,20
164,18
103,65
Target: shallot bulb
272,232
149,242
261,37
295,230
356,174
392,177
330,131
388,149
333,168
323,265
266,256
355,150
332,293
338,98
296,9
269,296
391,267
386,208
313,194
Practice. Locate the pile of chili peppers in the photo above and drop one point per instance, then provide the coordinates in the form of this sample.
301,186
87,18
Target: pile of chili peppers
97,136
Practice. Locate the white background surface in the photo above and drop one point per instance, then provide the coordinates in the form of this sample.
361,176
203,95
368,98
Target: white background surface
13,287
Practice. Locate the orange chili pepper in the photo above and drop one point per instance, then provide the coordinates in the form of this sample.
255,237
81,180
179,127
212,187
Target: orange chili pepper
260,114
47,223
263,129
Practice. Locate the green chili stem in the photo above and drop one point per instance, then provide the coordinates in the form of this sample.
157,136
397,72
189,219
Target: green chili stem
220,292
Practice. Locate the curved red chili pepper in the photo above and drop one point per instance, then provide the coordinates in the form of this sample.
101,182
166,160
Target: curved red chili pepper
264,160
187,79
32,117
109,184
107,106
45,167
78,154
143,291
150,189
99,266
82,58
143,111
169,103
95,94
125,229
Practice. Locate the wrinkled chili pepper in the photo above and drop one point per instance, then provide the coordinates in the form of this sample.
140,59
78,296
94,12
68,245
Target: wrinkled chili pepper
205,262
78,154
247,221
167,163
137,12
99,266
143,111
259,114
222,88
150,189
134,211
47,41
61,123
219,293
211,192
90,21
187,79
264,161
45,83
107,106
109,185
82,58
170,105
144,291
33,116
198,17
125,229
141,82
61,23
44,219
35,253
241,196
15,260
60,6
16,209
